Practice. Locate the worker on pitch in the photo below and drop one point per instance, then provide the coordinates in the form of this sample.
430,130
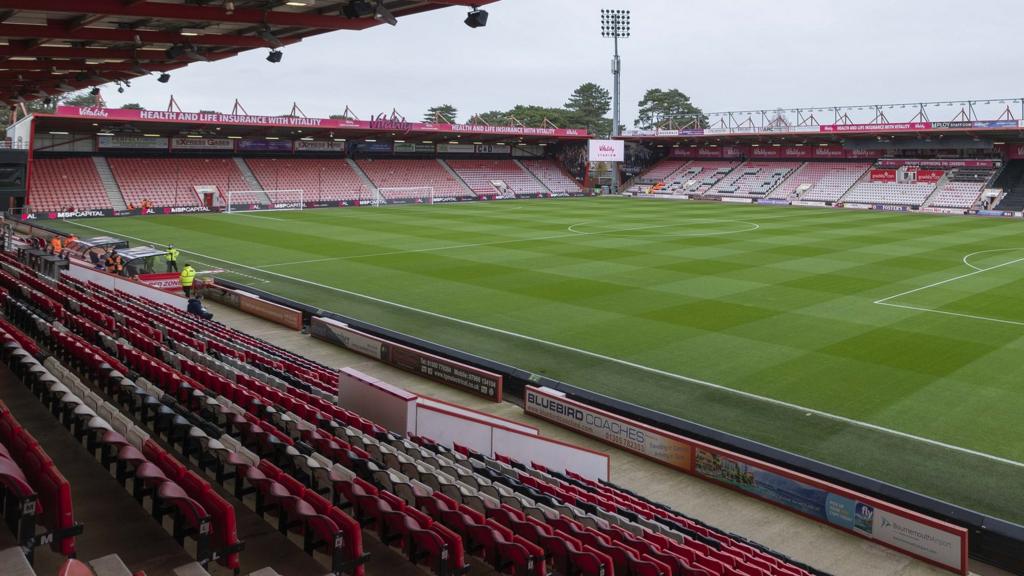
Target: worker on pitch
172,258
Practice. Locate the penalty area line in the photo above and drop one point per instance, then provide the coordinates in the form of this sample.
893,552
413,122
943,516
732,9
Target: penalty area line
627,363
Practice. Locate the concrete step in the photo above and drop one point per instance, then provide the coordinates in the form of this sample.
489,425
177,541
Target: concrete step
109,183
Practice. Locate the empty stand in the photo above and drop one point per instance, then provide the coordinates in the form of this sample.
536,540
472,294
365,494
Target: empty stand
320,179
821,181
172,181
663,170
66,183
753,179
479,175
553,176
412,174
962,188
699,176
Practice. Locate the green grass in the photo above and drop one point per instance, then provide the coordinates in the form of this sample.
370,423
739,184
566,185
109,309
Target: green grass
778,303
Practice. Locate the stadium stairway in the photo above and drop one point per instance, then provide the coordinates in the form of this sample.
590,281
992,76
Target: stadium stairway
109,183
455,175
250,179
363,177
1012,181
530,172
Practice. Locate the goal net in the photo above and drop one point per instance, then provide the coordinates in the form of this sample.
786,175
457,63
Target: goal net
407,195
263,200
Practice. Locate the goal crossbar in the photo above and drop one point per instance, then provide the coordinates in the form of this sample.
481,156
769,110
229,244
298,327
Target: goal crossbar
264,200
404,194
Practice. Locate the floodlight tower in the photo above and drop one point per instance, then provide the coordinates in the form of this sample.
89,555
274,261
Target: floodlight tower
615,25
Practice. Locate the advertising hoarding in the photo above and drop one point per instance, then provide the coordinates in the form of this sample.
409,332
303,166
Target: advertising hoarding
606,150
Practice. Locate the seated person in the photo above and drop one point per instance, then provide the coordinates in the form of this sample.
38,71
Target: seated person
195,306
95,259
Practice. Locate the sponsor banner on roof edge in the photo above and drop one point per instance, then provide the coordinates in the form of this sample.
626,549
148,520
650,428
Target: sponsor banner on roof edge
898,162
319,146
302,122
931,540
202,144
898,126
132,142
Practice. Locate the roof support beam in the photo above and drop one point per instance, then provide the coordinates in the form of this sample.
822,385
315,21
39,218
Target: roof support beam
69,52
128,36
194,13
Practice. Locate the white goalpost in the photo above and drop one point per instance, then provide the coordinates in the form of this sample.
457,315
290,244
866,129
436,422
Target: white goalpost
406,195
264,200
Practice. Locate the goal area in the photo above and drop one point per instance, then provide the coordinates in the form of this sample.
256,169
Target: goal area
264,200
404,195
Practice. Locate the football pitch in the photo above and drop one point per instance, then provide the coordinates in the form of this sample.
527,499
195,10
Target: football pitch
888,344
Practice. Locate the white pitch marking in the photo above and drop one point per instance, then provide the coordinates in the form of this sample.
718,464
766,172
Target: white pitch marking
500,242
257,216
947,313
679,223
650,369
948,280
967,258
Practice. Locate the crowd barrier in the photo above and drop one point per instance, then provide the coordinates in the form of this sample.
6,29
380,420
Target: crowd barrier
916,535
402,411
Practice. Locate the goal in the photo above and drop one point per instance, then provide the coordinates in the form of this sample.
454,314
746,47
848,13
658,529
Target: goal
264,200
407,195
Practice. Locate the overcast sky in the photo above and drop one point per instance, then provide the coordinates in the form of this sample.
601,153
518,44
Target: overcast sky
725,54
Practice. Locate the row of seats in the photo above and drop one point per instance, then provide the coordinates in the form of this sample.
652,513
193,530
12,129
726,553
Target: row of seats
33,490
61,183
58,184
320,179
821,181
409,525
554,176
397,175
891,193
479,175
962,188
698,177
172,181
142,466
753,179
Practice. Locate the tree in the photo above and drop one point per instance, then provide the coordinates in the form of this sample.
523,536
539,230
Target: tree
443,113
132,106
494,118
82,98
40,105
589,102
659,107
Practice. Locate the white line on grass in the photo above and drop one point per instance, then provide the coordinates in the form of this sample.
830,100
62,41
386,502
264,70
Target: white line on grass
967,258
514,241
948,280
627,363
947,313
756,226
260,217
